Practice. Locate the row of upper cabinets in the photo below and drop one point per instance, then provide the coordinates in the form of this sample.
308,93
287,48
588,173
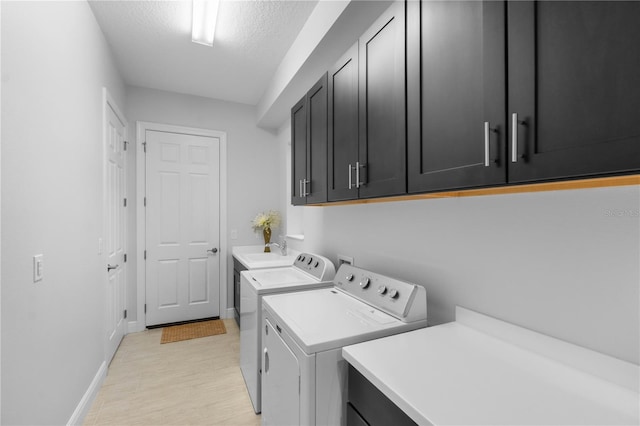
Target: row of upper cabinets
450,95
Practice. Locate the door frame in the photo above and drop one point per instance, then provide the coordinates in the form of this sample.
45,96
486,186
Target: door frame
108,102
141,128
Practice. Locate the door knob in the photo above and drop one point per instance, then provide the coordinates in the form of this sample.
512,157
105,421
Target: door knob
213,250
109,267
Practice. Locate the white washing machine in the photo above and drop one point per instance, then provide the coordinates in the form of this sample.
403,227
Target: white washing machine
304,380
308,271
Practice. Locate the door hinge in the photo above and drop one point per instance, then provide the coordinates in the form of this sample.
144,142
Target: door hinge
125,143
145,255
145,308
145,201
144,146
125,258
125,314
125,202
299,385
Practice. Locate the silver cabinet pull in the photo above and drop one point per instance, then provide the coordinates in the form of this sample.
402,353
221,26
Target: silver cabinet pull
514,137
349,175
486,143
358,166
305,191
300,188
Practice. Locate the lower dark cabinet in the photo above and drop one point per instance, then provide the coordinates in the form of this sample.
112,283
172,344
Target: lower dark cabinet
367,405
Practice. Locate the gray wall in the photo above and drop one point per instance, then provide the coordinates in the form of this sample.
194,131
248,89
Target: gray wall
254,163
55,63
564,263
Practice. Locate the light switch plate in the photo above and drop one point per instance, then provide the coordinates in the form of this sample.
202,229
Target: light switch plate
38,271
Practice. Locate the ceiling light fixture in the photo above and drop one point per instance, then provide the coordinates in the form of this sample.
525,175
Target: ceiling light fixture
205,14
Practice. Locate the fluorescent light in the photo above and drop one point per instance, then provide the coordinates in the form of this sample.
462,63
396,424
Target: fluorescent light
205,14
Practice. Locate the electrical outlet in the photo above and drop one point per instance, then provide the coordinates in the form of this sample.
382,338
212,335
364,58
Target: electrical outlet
344,259
38,271
234,234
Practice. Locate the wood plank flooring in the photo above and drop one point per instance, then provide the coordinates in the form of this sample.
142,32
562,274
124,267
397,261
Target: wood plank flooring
193,382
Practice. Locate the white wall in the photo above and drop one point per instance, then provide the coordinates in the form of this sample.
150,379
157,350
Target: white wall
254,163
55,63
564,263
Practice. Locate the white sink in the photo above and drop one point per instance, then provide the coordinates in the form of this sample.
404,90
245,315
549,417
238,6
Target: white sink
254,257
262,257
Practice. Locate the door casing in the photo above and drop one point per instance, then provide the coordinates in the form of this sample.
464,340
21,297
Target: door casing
141,129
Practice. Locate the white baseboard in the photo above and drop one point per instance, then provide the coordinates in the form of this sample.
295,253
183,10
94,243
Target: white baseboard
84,405
134,327
230,313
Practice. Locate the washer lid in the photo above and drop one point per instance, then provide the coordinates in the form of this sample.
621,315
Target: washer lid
327,318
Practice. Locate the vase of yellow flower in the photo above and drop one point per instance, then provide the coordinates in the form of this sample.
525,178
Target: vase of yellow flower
265,221
266,233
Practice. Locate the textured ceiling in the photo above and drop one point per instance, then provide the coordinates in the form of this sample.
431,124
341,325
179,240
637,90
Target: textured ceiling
151,42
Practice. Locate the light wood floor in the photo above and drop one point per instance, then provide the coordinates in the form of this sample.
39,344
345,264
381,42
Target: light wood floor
193,382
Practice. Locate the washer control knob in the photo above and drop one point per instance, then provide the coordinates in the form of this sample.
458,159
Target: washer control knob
302,258
349,277
393,293
316,264
365,282
382,289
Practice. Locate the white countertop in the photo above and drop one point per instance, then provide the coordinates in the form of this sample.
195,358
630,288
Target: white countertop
254,257
460,373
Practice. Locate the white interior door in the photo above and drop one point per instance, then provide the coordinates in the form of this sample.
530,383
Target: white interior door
115,129
183,227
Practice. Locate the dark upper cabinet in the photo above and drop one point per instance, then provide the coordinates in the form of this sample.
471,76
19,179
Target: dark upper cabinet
309,146
574,88
380,169
343,126
367,143
456,115
298,151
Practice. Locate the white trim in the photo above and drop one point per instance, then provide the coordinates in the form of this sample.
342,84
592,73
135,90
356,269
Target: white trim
109,102
141,129
84,405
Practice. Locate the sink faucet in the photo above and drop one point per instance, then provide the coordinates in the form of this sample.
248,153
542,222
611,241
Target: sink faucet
282,246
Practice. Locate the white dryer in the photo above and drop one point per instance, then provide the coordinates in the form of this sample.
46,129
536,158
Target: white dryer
304,374
308,271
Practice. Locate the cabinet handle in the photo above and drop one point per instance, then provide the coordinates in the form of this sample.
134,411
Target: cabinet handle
514,137
486,144
358,166
305,192
349,175
300,188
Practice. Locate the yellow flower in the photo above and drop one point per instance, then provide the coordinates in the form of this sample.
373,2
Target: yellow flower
269,219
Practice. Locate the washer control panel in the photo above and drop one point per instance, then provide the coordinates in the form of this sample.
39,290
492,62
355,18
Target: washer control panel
318,266
390,295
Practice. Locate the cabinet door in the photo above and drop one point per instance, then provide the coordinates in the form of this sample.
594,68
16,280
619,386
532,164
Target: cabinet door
574,88
315,186
343,126
298,151
381,160
456,94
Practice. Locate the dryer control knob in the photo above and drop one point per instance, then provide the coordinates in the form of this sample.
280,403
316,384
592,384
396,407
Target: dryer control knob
382,289
393,293
349,277
309,261
365,282
316,264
